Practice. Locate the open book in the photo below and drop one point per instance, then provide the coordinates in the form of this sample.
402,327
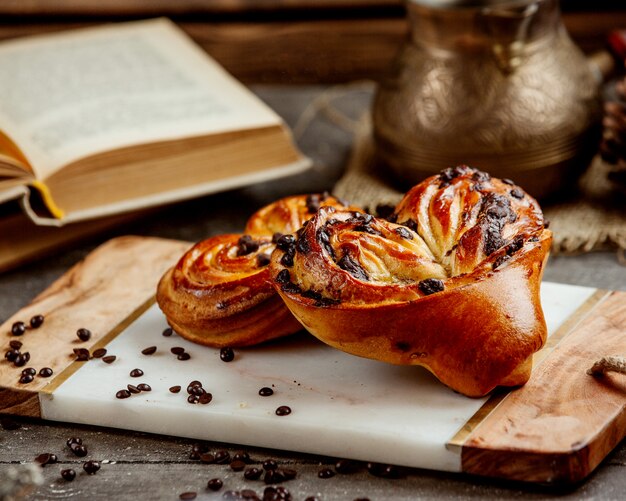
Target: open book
107,120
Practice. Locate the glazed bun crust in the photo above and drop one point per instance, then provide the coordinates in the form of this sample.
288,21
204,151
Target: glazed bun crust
454,288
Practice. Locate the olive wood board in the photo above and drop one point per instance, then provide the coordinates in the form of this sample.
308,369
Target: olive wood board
555,429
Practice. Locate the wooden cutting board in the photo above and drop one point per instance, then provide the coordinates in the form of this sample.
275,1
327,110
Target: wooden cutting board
556,429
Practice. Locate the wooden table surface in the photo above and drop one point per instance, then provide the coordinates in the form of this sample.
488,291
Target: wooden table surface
142,466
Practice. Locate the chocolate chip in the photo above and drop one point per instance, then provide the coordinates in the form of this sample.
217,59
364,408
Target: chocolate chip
517,193
262,260
11,355
205,398
99,353
546,224
480,176
237,465
311,294
227,354
283,410
144,387
68,475
15,344
270,464
283,277
242,456
82,354
136,373
222,457
325,302
275,237
74,441
499,261
410,224
174,389
246,245
83,334
9,424
347,467
430,286
385,470
79,449
43,459
285,242
252,473
273,493
303,246
313,203
326,473
289,473
206,457
291,288
188,496
231,496
324,240
133,389
36,321
167,332
29,371
21,359
508,181
215,484
249,494
150,350
26,378
404,233
266,391
122,394
348,264
287,258
18,328
109,359
193,399
177,350
45,372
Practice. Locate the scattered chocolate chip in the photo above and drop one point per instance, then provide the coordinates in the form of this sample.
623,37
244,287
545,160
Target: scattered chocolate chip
348,264
9,424
68,475
237,465
99,353
326,473
242,456
275,237
480,176
270,464
174,389
11,355
193,399
324,240
79,449
133,389
18,328
517,193
313,203
303,246
177,350
311,294
74,440
262,260
45,372
215,484
249,494
109,359
36,321
283,277
546,224
82,354
312,498
29,371
83,334
222,457
206,458
21,359
136,373
283,410
289,473
285,242
252,473
187,496
150,350
167,332
26,378
15,344
122,394
43,459
266,391
404,233
291,288
183,356
205,398
227,354
385,470
91,467
430,286
287,259
508,181
347,467
276,493
246,245
144,387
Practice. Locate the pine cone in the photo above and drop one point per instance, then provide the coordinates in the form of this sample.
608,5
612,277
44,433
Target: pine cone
613,147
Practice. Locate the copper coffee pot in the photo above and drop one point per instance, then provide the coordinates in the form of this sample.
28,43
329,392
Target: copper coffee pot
494,84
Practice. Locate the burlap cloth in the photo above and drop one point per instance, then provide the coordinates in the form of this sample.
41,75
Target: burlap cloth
596,220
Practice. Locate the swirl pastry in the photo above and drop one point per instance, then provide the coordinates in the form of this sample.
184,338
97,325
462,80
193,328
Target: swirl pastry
219,293
454,287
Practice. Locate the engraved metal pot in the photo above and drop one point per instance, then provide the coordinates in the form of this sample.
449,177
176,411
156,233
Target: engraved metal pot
494,84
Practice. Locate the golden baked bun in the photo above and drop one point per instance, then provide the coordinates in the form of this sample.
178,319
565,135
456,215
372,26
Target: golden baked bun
455,288
219,293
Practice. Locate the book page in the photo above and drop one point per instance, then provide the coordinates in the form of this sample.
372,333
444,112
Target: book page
70,95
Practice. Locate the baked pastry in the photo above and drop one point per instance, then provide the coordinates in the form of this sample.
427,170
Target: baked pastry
450,283
219,293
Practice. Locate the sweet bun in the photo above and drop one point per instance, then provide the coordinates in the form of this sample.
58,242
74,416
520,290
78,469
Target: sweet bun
450,283
219,293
